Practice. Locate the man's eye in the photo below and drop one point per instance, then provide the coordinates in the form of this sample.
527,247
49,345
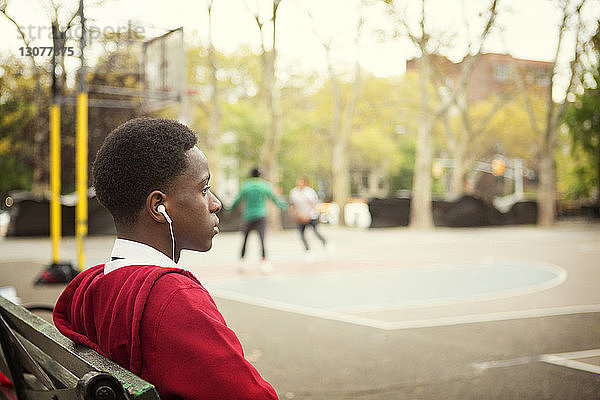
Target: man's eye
205,190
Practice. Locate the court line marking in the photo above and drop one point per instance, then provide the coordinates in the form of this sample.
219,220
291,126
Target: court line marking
399,325
296,309
561,277
497,316
568,360
482,366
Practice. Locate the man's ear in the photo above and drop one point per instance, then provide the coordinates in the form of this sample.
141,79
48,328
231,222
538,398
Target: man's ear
153,200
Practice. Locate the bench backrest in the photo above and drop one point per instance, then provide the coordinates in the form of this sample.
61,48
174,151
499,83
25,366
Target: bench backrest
44,364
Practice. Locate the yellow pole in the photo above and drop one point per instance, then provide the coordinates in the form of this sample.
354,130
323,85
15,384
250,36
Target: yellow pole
81,173
55,207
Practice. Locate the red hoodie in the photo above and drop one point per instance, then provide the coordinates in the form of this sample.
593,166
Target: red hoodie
162,325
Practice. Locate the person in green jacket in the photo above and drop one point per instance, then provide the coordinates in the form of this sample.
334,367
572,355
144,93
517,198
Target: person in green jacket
253,195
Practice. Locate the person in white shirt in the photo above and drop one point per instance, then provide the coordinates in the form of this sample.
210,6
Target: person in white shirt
303,202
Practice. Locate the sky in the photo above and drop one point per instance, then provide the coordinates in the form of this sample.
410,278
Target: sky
526,29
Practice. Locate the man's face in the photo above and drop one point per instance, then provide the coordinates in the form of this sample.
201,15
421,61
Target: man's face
301,183
192,206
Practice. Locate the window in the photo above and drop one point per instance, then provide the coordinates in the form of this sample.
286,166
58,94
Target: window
543,76
501,72
365,180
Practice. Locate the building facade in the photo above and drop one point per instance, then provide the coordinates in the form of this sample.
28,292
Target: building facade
492,74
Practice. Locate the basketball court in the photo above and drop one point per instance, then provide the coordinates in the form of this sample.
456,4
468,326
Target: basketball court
523,287
375,297
496,313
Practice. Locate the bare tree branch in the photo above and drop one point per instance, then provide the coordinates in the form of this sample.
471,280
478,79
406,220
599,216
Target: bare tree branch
70,23
578,50
561,34
421,216
21,34
528,105
413,38
351,104
467,25
553,117
498,104
469,62
451,134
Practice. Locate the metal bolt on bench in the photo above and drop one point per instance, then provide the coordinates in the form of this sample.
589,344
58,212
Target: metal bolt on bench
44,365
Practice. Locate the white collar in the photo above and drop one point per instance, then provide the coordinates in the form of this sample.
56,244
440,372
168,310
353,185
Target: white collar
127,252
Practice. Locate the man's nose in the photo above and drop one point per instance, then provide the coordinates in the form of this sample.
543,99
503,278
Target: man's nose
215,204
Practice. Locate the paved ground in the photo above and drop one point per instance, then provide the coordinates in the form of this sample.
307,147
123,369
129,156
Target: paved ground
489,313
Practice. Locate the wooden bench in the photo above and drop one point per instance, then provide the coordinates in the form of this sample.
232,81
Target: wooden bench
44,365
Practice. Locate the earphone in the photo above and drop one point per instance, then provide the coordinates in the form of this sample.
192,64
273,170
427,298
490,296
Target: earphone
163,210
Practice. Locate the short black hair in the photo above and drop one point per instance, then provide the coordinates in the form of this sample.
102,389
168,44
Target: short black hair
139,156
255,172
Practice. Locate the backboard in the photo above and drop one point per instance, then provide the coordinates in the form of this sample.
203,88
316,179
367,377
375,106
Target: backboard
164,68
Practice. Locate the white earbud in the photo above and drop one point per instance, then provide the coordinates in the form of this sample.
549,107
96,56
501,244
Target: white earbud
163,210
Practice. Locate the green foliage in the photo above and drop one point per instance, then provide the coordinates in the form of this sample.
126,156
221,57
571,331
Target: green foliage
583,121
305,138
401,177
20,176
118,66
374,141
17,113
509,131
500,125
238,74
243,116
249,124
385,128
576,172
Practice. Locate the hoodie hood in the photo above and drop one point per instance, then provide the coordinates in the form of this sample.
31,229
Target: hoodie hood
104,311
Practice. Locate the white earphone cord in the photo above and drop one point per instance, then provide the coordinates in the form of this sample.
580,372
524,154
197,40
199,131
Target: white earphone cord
172,239
162,209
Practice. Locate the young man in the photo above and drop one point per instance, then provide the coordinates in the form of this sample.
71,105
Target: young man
304,200
253,194
141,309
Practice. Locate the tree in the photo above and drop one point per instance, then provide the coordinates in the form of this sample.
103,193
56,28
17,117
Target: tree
213,139
249,123
461,137
305,126
269,90
203,104
576,173
424,41
479,131
116,68
508,132
242,109
583,120
383,134
341,120
17,121
40,126
547,127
